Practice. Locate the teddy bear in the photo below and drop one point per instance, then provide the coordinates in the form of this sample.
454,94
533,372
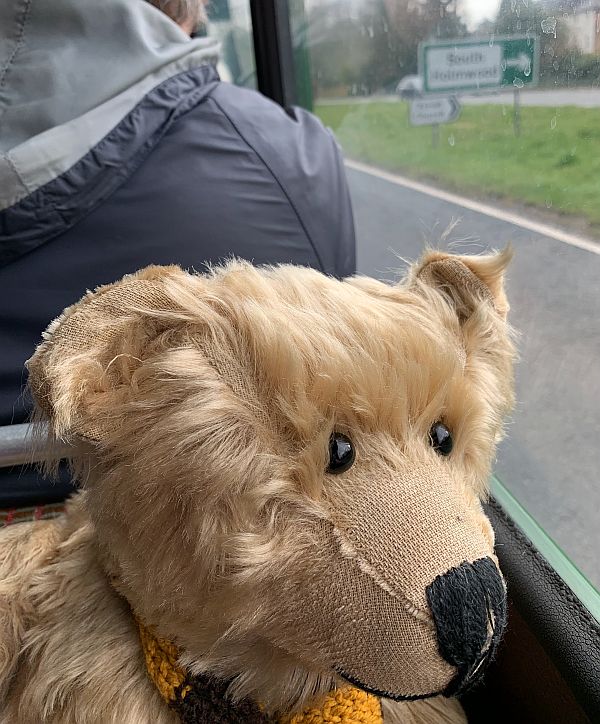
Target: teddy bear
279,516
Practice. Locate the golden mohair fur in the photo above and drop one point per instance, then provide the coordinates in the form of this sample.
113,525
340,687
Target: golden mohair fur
200,409
78,658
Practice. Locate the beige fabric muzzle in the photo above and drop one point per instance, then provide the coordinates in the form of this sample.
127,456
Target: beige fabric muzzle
363,604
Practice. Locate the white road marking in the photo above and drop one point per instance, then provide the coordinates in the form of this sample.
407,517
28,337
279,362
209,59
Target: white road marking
544,229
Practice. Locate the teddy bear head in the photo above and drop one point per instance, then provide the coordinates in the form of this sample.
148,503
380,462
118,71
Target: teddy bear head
285,471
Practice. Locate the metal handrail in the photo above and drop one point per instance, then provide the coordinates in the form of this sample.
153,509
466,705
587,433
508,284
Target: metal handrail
19,447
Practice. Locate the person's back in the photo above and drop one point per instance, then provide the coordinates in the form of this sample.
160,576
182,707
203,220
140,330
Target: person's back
177,167
120,147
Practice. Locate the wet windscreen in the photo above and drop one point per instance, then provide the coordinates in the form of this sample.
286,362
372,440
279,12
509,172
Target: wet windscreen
468,125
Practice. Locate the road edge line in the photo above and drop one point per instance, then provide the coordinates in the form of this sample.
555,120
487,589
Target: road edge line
553,232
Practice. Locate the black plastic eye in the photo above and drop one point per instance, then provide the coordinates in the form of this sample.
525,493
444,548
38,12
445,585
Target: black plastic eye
440,439
341,453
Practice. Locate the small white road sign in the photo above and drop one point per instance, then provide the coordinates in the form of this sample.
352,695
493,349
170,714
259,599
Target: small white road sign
432,111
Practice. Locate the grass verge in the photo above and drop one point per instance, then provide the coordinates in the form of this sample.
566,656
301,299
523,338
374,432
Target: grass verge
554,164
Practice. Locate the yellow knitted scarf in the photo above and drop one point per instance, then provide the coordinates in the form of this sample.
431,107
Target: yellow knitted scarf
199,701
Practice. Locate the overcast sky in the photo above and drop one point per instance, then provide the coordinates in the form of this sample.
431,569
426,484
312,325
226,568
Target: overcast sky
471,11
474,11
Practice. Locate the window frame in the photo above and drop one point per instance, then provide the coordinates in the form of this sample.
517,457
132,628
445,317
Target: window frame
273,51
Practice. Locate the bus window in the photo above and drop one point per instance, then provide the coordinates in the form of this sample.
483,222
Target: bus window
468,126
229,21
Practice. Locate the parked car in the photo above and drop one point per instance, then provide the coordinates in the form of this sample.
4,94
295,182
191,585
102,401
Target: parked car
410,86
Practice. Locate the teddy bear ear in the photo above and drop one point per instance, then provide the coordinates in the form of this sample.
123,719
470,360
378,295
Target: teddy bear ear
83,368
467,280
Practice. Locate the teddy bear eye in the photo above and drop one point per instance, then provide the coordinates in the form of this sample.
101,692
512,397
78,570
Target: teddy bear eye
440,438
341,453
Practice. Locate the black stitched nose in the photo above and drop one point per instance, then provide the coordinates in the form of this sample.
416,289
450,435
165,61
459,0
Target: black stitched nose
469,610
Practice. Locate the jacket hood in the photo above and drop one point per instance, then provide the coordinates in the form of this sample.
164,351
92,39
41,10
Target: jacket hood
70,70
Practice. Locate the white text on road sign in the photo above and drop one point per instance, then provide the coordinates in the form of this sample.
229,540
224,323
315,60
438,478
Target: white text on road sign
456,67
449,66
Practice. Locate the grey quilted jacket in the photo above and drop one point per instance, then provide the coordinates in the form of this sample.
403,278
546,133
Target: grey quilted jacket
120,147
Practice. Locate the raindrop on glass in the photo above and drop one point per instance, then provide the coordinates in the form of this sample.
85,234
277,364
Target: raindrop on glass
518,83
549,26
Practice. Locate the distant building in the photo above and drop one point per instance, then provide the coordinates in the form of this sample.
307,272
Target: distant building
582,18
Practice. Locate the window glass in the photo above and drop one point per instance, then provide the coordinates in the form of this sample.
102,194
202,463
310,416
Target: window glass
230,22
469,124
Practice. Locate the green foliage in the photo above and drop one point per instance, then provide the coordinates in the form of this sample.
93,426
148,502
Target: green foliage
367,48
586,68
555,163
588,134
568,159
368,52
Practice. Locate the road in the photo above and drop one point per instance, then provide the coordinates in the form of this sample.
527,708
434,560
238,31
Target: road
551,458
580,97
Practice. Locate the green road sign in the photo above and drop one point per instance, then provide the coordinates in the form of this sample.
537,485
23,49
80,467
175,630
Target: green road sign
449,66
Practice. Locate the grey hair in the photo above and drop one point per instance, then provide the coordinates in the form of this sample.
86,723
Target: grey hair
181,11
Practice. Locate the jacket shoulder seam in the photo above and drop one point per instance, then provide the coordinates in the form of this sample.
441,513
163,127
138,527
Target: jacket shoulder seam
275,178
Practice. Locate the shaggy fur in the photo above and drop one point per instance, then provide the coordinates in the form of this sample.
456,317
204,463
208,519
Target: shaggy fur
200,409
77,658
